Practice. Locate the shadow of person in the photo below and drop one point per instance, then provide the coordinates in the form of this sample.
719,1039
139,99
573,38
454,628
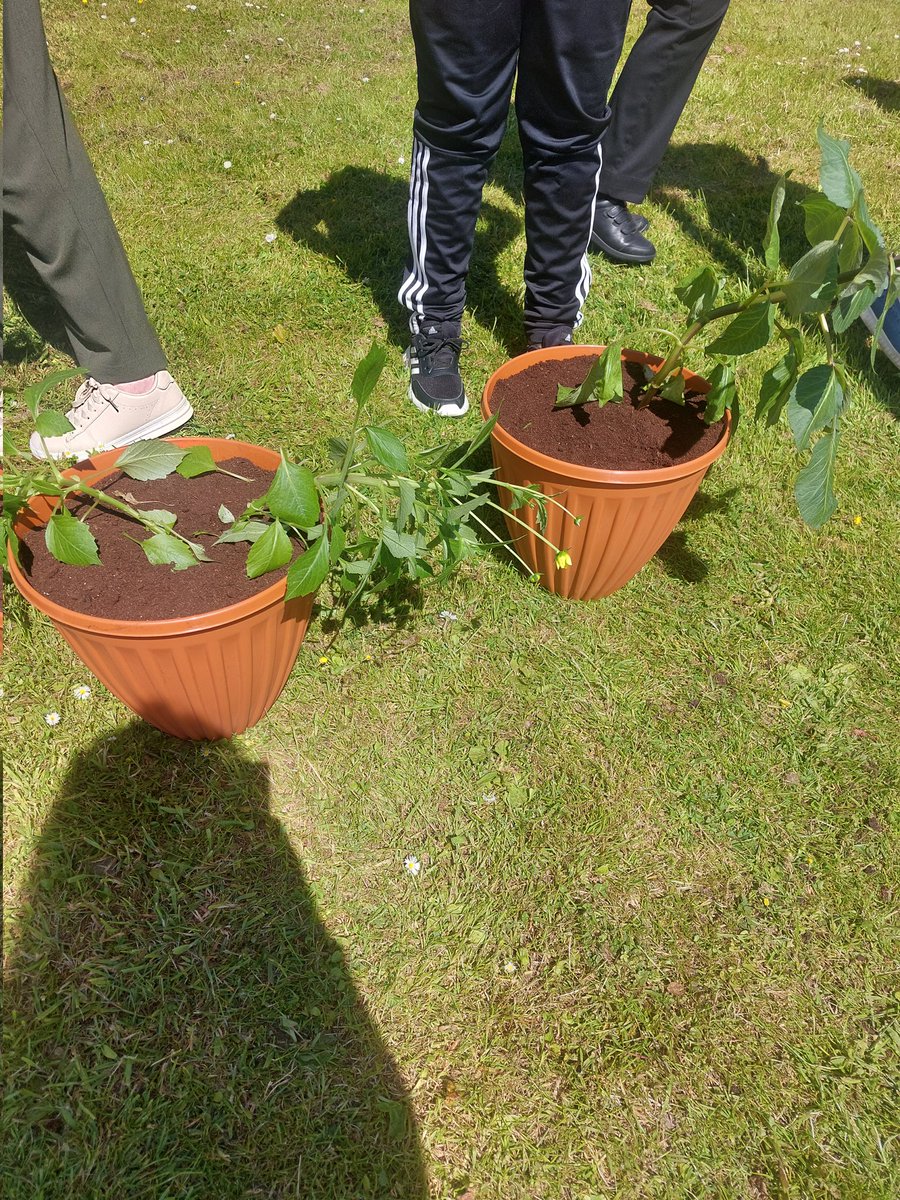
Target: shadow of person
720,173
179,1022
358,220
884,92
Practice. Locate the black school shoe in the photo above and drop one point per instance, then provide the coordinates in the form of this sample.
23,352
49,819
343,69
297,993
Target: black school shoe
616,234
435,384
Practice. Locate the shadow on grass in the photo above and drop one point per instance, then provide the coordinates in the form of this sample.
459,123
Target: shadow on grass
675,554
179,1021
884,92
736,189
358,220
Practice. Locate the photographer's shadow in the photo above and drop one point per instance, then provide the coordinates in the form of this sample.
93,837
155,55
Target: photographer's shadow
358,220
179,1021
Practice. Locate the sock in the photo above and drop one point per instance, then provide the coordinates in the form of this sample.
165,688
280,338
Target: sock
138,387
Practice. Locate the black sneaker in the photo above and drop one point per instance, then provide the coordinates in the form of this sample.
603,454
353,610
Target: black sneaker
435,384
557,335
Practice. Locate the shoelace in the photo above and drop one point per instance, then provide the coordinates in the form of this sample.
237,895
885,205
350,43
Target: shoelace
92,394
439,354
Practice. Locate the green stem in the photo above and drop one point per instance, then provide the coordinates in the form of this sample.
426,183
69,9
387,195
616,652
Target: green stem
500,542
518,520
363,497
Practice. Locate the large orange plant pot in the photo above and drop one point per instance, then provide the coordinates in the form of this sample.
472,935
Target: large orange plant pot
625,515
201,677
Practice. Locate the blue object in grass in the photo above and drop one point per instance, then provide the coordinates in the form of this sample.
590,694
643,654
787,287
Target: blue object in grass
889,341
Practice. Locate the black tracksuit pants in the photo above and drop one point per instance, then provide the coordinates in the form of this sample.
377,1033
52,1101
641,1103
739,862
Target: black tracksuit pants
652,90
52,199
467,55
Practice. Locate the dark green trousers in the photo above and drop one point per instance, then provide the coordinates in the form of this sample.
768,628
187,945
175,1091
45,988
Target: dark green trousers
54,205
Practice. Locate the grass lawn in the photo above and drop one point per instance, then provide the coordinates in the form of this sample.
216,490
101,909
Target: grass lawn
651,949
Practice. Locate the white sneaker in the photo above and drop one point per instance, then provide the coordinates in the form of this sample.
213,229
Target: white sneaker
103,417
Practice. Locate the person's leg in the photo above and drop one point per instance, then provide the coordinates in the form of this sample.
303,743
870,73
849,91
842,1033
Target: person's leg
569,51
52,199
652,90
465,64
53,202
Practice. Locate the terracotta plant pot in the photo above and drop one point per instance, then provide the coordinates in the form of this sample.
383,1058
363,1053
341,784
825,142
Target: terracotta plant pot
626,515
206,676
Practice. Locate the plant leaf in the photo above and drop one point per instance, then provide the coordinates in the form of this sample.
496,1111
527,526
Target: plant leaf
851,306
838,180
814,487
160,516
871,235
226,516
269,552
772,240
307,572
699,292
386,449
814,402
750,330
52,424
407,493
243,531
721,395
33,394
822,219
367,374
153,459
777,383
293,496
673,388
338,544
70,541
812,282
197,461
401,545
602,383
164,549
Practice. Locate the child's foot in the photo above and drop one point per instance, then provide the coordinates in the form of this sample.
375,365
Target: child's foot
435,384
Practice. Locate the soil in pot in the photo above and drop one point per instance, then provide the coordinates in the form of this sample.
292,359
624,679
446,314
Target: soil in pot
126,586
617,436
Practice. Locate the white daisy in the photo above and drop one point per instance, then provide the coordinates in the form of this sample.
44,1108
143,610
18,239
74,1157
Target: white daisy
411,864
52,718
81,692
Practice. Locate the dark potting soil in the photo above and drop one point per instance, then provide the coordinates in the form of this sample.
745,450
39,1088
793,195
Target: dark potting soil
126,586
617,437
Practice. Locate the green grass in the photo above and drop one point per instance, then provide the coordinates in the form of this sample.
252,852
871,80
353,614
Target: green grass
650,952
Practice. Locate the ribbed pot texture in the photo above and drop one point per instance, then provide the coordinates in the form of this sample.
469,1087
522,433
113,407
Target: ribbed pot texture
202,677
626,515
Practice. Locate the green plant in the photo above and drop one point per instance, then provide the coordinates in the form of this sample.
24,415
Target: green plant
381,514
847,267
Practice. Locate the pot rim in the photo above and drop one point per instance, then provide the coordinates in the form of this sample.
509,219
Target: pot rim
576,471
94,469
